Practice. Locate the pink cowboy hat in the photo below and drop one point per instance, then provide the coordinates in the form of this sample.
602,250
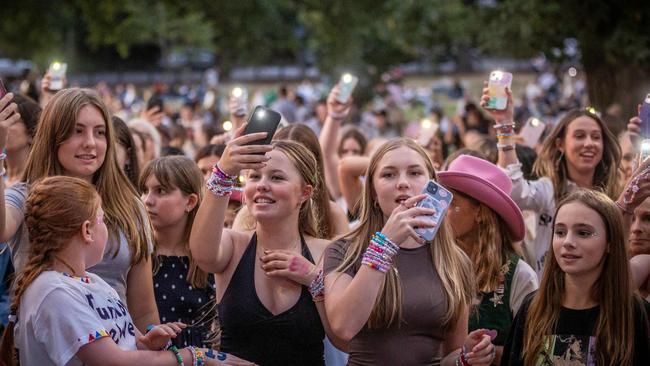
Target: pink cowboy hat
489,185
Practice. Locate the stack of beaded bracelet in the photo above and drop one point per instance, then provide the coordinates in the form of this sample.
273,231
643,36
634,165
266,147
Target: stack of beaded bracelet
505,133
220,183
317,287
380,253
462,360
198,358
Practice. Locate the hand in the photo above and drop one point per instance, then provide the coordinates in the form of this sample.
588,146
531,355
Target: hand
634,128
238,156
290,265
506,115
479,347
153,115
8,116
46,81
223,359
159,335
335,109
404,220
637,189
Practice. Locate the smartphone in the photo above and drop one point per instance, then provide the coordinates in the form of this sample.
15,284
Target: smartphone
241,96
497,85
438,198
532,131
644,114
346,86
262,120
57,72
428,129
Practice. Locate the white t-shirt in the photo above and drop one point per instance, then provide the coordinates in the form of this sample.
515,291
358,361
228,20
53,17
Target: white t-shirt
59,314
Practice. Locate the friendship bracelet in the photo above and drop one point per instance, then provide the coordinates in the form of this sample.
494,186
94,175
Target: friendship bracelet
223,175
505,147
177,353
3,155
380,253
317,287
505,127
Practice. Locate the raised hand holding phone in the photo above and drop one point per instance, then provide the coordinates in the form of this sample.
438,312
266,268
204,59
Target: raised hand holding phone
57,72
406,218
498,83
346,86
244,152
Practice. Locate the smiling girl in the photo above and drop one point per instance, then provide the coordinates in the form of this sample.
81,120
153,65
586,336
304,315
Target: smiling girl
75,138
580,152
266,311
585,311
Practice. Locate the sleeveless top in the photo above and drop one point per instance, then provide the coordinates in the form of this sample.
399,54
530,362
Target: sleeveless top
252,332
493,311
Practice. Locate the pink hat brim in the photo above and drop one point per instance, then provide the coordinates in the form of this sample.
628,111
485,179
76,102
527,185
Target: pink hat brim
489,194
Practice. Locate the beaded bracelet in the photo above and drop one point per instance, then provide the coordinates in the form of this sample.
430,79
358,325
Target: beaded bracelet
505,127
505,147
220,183
198,359
177,353
317,287
461,360
380,253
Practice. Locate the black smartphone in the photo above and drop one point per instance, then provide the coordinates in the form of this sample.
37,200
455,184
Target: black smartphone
262,120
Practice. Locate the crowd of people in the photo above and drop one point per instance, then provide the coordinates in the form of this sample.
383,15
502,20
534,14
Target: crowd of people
145,230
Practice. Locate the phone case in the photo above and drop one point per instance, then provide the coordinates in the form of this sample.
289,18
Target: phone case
497,85
531,133
242,101
346,88
56,76
262,120
645,117
438,198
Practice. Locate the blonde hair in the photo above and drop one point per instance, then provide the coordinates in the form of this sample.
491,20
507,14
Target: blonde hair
48,202
614,329
551,162
492,250
321,199
305,163
452,265
123,209
180,172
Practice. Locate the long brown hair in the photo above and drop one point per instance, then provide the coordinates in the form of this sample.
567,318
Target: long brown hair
323,214
179,172
123,209
551,162
452,265
614,330
49,200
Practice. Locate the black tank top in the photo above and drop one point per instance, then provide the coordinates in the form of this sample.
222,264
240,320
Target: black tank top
251,332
